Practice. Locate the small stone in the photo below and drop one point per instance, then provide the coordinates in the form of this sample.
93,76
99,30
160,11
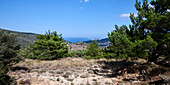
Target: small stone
93,75
22,71
79,68
68,72
57,75
21,81
72,69
76,75
152,63
59,72
165,78
70,79
65,76
91,71
84,75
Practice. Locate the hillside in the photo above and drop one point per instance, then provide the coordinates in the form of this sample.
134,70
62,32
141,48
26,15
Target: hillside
25,39
102,42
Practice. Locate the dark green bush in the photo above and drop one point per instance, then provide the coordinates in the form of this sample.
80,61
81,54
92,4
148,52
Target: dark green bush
122,47
93,49
88,57
58,79
147,37
77,53
4,78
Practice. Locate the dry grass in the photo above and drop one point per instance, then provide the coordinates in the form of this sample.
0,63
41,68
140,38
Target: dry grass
55,64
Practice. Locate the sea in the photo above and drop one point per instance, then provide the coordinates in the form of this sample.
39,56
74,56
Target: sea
75,39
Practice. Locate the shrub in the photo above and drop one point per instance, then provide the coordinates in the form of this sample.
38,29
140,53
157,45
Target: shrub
93,49
77,53
120,45
144,48
58,79
88,57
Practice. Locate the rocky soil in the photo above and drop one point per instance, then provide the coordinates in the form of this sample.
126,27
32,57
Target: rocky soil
77,46
77,71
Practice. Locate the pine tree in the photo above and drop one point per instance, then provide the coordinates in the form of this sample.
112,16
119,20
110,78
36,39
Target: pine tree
120,45
8,56
148,35
154,21
144,48
48,46
93,49
9,49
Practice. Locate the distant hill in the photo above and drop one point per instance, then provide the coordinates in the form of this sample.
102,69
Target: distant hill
102,42
25,39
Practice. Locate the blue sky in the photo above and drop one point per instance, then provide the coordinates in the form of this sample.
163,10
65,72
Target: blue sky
73,18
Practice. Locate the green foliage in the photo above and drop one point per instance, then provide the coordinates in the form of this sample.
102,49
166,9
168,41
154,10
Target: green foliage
93,49
154,21
58,79
8,56
47,47
108,54
4,78
88,57
147,37
25,39
143,48
77,53
120,45
8,49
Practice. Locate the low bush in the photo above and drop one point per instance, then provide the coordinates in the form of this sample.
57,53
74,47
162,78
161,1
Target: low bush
88,57
93,49
77,53
58,79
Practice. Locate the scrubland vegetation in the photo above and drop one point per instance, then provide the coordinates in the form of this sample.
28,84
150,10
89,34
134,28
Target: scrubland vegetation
148,38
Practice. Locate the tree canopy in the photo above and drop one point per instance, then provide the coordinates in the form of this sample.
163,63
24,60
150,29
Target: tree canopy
48,46
93,49
147,36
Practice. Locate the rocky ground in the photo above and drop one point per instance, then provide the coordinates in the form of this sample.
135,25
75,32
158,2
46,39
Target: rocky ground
77,46
77,71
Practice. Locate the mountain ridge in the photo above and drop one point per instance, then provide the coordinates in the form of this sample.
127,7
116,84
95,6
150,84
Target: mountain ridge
102,42
26,38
